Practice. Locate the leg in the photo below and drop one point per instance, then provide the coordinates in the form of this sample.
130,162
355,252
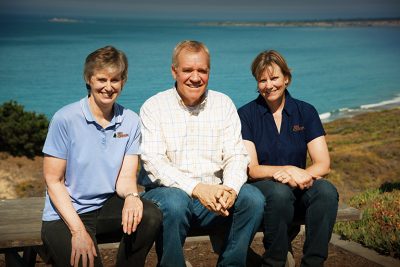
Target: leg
246,216
57,239
176,207
320,203
133,248
278,215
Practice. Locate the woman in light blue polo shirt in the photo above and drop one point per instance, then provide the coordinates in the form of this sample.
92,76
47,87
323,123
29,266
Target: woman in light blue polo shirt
90,164
279,131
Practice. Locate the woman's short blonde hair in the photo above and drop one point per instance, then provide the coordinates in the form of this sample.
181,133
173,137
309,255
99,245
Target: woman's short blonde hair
105,57
265,59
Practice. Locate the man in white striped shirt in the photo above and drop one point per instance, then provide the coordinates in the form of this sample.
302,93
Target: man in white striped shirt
195,163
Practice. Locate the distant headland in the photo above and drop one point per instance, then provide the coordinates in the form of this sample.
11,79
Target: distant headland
394,22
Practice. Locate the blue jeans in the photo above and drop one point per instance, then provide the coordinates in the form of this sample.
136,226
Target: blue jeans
317,205
181,212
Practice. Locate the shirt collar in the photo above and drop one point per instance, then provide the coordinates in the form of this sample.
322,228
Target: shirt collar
195,109
288,108
116,120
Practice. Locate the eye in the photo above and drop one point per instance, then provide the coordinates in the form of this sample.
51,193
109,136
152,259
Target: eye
186,70
203,71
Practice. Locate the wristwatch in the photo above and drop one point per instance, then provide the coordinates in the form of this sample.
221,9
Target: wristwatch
132,194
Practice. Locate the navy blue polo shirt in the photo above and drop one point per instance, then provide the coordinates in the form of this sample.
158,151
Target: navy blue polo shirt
300,125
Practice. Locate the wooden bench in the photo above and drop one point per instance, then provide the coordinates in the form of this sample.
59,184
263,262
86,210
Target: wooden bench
20,226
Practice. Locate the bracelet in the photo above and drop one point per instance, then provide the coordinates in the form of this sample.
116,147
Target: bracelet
132,194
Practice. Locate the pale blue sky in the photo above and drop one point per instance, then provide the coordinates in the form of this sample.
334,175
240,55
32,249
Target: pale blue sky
208,9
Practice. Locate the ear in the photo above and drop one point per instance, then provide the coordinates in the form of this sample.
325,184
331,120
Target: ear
173,71
286,80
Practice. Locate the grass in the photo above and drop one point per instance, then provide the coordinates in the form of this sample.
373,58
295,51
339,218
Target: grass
365,151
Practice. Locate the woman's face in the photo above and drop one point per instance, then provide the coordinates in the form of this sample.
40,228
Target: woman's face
272,83
105,86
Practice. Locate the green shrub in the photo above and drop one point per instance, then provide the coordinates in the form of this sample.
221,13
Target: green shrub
379,228
22,133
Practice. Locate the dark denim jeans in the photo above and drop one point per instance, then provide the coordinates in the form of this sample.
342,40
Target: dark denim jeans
105,223
317,205
180,212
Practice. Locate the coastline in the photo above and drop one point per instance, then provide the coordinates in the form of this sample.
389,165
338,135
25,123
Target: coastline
390,22
353,111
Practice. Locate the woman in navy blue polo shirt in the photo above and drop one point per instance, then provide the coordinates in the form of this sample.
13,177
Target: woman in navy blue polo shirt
90,164
278,131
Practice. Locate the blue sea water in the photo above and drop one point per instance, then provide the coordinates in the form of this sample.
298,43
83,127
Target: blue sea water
335,69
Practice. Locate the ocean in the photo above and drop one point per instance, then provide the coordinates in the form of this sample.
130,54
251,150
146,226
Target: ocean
339,70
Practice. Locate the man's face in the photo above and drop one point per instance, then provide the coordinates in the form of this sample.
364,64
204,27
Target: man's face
191,75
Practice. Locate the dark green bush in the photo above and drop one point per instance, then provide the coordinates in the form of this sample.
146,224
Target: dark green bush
22,133
380,226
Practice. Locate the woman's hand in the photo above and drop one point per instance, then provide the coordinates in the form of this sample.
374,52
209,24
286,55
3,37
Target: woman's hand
132,214
294,177
82,246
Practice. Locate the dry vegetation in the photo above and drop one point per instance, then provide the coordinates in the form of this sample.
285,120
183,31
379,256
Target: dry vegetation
365,151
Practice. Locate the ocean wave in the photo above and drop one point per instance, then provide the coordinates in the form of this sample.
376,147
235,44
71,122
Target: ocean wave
325,116
391,102
350,112
63,20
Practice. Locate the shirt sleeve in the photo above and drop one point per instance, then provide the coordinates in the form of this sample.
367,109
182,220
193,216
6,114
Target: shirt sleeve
245,122
135,137
235,157
312,123
57,138
159,168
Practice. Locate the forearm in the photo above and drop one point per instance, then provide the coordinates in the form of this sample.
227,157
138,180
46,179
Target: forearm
125,187
318,170
62,201
162,171
263,172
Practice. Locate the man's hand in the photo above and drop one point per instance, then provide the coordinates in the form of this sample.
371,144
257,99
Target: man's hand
82,246
132,214
207,195
226,197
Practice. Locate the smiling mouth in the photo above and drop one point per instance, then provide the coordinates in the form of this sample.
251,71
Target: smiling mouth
194,86
267,92
109,95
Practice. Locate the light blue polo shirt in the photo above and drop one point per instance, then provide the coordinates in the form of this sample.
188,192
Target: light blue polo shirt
94,155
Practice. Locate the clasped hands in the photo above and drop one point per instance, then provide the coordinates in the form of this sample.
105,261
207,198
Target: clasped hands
216,198
294,177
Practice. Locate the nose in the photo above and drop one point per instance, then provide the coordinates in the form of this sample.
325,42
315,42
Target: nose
269,84
195,77
108,86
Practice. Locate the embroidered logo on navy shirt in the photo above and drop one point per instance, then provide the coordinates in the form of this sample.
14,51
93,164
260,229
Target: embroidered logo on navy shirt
298,128
120,135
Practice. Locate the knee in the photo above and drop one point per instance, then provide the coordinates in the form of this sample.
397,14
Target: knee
250,198
326,191
174,203
280,194
152,215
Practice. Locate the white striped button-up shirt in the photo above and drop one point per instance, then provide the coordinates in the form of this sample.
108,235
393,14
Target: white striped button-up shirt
183,146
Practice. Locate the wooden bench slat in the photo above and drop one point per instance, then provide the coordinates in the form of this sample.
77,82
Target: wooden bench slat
21,219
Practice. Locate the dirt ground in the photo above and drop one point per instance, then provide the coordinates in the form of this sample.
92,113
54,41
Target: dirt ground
200,254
